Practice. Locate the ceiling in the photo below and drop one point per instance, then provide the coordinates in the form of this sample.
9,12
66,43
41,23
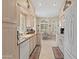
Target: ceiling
47,8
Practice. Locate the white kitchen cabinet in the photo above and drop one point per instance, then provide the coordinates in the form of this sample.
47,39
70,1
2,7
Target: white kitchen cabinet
38,39
70,33
61,42
32,44
27,47
24,50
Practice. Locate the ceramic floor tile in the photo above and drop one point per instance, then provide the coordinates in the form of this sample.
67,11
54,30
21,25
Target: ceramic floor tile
46,49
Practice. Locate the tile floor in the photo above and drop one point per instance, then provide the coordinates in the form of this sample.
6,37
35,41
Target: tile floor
46,49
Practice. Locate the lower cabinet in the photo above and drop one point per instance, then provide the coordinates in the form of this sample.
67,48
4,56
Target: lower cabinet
38,39
24,50
32,44
27,47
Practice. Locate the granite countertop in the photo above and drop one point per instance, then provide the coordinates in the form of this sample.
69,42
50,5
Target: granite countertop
24,38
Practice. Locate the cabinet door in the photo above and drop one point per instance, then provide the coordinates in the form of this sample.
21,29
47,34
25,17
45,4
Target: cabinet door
38,39
24,50
34,41
30,45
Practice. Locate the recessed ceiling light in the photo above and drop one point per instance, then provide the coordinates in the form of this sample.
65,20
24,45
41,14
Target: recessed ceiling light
40,4
54,4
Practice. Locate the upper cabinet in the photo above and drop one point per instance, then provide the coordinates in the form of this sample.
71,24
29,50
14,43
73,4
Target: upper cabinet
25,14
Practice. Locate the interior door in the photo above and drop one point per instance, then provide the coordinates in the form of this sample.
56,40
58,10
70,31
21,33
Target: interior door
45,30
